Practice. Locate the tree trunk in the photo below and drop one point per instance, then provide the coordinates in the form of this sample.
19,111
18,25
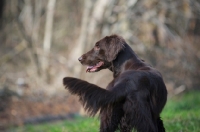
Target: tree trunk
78,50
97,15
25,23
47,38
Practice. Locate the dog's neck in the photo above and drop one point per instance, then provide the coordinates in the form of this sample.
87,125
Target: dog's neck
126,60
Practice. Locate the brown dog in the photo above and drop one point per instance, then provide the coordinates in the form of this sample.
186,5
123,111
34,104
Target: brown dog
135,97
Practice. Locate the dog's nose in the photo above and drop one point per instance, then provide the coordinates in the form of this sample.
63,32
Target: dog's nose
80,58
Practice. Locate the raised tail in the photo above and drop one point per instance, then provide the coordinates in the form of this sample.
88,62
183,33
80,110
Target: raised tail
92,97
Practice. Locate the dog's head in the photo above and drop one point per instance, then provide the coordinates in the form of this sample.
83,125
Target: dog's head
103,53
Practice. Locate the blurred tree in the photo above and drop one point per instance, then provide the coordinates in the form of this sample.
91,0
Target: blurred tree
29,17
47,39
80,46
161,31
89,24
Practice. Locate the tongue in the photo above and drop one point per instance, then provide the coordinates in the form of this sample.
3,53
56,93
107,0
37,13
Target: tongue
93,68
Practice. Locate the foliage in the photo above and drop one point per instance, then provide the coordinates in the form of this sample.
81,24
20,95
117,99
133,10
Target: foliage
180,114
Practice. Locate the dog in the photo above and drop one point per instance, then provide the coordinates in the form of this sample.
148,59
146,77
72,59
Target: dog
133,100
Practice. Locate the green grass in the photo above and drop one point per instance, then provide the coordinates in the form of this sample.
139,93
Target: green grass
181,114
75,125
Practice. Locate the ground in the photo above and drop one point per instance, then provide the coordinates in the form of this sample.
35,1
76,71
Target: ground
18,111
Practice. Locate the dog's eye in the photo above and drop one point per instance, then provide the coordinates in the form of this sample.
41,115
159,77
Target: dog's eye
97,47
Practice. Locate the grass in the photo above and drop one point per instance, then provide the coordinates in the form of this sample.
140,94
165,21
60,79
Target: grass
181,114
80,123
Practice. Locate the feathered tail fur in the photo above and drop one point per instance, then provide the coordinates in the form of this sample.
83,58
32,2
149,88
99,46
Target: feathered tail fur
92,97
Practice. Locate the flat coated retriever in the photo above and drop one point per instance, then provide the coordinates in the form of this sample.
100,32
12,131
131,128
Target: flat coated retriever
133,100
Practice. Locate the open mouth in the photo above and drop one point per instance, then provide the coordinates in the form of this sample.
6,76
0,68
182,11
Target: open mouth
95,67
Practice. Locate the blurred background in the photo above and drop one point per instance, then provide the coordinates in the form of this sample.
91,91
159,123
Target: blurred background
41,40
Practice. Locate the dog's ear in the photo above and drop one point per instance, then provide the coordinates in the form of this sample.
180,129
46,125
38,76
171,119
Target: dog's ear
114,45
